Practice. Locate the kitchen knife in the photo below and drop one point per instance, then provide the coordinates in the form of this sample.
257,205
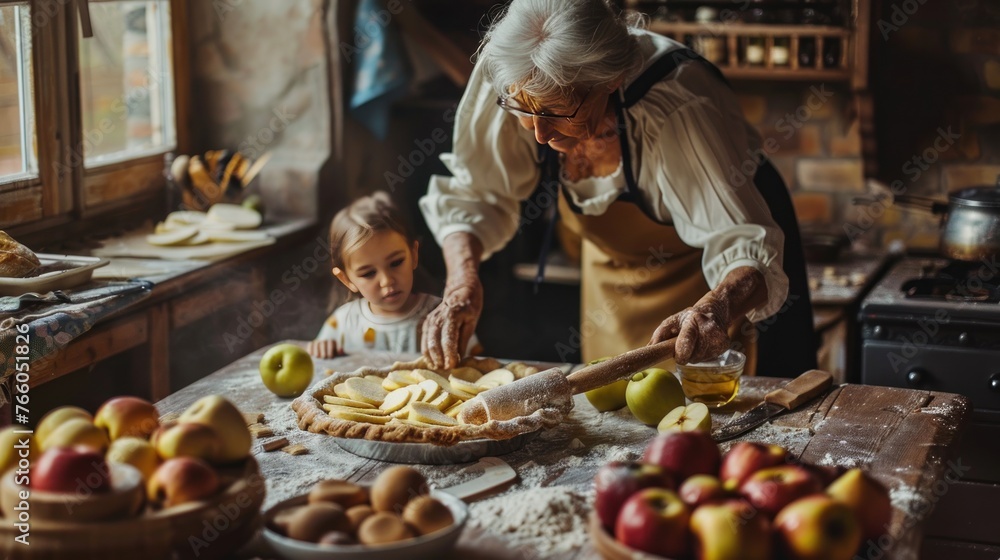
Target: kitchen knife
793,395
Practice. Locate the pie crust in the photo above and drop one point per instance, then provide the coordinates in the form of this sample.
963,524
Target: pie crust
313,418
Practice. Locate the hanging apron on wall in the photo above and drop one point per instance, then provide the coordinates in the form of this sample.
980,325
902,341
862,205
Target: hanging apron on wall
637,271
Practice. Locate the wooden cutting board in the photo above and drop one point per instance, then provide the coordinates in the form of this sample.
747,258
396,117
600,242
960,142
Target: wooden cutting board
133,244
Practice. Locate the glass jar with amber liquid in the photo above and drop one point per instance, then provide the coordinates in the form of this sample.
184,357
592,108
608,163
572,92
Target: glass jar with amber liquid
715,382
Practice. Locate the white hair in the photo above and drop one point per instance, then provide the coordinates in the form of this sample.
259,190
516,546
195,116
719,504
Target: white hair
548,48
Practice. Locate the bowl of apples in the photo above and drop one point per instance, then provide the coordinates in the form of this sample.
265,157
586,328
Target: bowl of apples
396,518
684,499
120,484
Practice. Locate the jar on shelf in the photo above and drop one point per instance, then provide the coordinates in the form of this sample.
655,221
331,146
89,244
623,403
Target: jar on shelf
831,52
753,55
708,44
780,51
807,45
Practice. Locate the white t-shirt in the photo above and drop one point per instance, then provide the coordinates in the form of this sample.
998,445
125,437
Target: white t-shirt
357,329
693,156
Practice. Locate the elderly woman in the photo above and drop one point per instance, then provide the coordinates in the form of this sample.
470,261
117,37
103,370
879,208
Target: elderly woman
688,231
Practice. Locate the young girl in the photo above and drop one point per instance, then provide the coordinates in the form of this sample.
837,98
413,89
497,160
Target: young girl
374,255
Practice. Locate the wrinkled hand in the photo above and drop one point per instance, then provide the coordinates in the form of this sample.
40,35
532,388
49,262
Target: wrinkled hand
323,349
448,329
701,331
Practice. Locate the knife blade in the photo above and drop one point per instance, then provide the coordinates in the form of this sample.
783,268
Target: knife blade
793,395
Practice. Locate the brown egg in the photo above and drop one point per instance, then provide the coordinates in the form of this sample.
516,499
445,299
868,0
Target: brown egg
395,487
383,527
426,515
281,519
336,538
357,514
340,492
315,520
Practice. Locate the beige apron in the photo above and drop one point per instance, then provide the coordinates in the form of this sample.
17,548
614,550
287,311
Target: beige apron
636,272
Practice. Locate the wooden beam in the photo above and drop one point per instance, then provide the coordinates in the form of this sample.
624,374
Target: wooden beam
100,343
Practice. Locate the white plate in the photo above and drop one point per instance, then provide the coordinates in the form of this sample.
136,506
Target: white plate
58,273
435,545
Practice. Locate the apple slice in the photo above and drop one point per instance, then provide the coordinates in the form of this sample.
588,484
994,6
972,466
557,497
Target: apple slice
469,387
235,236
694,416
417,423
417,391
431,389
496,378
184,218
329,399
428,375
368,411
428,413
396,400
172,237
364,390
341,391
348,414
454,409
444,400
242,218
465,374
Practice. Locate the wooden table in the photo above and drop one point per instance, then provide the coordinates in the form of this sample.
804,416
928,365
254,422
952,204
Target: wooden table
903,437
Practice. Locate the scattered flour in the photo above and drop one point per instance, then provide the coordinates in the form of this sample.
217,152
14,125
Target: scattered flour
549,520
907,500
828,460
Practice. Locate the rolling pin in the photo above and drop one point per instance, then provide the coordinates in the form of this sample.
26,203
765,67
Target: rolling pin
553,388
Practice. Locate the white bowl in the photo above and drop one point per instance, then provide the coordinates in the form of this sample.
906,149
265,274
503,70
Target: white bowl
433,545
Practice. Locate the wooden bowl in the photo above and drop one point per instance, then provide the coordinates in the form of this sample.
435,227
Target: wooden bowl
208,529
609,548
124,500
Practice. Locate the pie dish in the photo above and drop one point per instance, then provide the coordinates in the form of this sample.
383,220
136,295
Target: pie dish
326,408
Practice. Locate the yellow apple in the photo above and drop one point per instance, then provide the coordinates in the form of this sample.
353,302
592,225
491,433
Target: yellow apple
287,370
127,416
136,452
227,421
867,497
652,393
694,416
76,431
55,418
14,447
611,396
188,439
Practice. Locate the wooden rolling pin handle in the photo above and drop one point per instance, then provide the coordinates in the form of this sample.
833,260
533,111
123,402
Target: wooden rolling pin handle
620,367
801,389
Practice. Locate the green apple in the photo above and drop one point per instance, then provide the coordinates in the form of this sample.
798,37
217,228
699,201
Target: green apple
652,393
287,370
694,416
610,397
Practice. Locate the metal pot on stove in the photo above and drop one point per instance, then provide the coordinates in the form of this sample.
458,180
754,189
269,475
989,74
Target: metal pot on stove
970,221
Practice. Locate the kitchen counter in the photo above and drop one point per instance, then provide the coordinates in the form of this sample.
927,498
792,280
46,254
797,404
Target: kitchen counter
905,438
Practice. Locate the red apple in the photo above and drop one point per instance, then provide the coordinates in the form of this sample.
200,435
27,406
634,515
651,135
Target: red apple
684,453
701,489
71,469
654,520
818,528
181,480
617,481
825,473
746,458
127,416
771,489
730,530
867,498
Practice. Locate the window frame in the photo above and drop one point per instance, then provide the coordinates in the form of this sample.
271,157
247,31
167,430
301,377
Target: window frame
103,196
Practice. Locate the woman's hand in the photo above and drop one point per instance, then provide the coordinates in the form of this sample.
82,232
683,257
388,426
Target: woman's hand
702,329
447,329
323,349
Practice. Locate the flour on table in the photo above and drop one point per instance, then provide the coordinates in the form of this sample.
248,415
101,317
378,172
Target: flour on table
548,520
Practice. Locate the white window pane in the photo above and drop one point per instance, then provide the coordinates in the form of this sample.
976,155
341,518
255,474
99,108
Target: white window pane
18,157
126,82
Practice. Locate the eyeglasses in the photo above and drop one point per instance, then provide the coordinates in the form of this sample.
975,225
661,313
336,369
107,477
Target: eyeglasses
511,105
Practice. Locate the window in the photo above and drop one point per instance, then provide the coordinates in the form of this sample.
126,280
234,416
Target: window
84,122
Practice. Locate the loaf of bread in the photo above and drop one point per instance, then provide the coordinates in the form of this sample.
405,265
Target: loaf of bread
16,260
